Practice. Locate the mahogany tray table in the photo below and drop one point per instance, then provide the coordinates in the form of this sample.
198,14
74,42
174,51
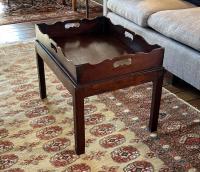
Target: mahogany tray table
95,56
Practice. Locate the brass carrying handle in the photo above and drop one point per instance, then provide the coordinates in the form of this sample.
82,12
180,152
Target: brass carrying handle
123,62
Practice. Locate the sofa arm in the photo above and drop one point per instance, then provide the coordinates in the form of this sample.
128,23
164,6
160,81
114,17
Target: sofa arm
105,9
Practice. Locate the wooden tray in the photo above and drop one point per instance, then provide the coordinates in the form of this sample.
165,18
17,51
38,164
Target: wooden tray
92,50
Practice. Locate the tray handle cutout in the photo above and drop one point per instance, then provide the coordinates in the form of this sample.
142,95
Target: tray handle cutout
128,34
54,47
71,25
122,62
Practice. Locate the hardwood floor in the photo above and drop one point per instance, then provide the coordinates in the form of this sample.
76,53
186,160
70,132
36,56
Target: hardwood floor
185,92
25,31
16,32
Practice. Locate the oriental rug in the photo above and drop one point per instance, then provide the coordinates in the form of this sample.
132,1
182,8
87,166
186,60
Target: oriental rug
37,136
42,11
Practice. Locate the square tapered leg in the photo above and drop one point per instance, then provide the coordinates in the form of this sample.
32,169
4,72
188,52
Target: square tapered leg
41,77
155,104
79,123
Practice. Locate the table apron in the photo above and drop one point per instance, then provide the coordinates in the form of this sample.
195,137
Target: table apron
127,80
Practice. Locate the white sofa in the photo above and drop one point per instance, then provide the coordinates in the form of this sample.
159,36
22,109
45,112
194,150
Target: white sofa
173,24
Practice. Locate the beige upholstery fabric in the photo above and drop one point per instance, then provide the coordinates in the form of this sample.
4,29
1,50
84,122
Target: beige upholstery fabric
181,25
138,11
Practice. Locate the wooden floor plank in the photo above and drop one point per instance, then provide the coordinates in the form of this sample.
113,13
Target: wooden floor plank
195,103
189,95
172,88
16,32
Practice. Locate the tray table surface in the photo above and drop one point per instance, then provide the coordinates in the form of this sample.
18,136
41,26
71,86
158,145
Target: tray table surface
91,49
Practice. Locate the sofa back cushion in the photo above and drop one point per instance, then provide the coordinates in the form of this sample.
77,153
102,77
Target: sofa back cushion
138,11
181,25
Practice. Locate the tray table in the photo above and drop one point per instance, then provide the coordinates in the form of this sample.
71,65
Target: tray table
95,56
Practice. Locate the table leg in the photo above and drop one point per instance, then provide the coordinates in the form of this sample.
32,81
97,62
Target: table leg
87,8
74,5
79,123
41,76
155,104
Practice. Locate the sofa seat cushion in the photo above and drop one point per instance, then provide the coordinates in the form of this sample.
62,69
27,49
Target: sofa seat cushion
180,25
138,11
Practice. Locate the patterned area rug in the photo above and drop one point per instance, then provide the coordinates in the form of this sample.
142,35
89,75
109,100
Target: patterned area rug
37,136
42,10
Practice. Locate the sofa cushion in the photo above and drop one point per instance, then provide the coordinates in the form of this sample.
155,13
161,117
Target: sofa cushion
181,25
138,11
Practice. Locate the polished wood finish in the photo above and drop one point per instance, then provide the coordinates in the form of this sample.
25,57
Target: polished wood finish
131,61
41,77
155,105
16,32
79,122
